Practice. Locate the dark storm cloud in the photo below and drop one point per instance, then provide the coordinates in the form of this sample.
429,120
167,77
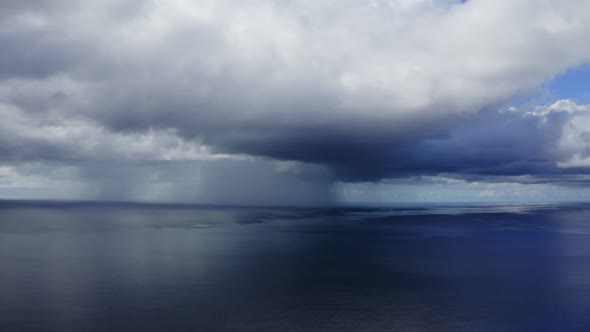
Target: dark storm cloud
493,144
34,54
368,90
487,145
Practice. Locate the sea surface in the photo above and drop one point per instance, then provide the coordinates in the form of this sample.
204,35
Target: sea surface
68,266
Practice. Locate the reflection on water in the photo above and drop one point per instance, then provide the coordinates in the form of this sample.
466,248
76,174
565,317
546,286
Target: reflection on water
99,267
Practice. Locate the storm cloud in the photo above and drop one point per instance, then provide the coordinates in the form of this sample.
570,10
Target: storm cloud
333,90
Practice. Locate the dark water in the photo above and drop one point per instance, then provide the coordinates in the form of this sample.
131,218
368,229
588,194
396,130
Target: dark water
98,267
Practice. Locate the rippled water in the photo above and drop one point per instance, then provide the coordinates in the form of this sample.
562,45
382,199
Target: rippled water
101,267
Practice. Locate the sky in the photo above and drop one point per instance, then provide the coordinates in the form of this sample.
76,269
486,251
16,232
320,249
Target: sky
295,102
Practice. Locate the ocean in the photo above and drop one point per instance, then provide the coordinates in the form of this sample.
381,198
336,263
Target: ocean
83,266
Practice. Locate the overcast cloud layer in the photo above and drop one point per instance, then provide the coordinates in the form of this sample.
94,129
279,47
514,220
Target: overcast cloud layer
344,90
